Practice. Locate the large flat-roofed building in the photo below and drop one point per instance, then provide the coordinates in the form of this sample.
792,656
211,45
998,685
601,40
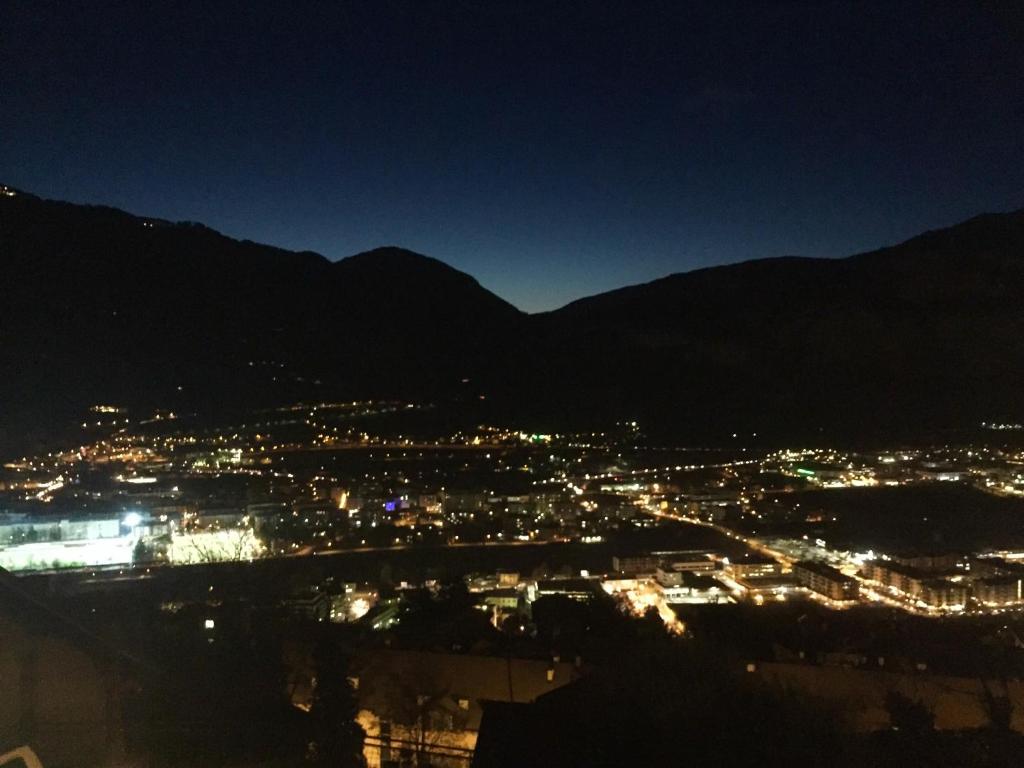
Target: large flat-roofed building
695,562
689,587
932,562
826,580
915,584
34,542
30,529
902,578
752,565
667,577
576,589
636,564
943,593
990,566
679,560
503,598
999,590
508,578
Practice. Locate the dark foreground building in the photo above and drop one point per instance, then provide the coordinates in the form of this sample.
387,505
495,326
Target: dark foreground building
62,688
426,708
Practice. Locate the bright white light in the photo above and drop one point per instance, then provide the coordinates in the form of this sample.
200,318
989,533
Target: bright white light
359,608
213,546
71,554
132,520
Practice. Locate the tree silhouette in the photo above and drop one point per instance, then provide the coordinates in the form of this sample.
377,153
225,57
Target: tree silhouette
337,738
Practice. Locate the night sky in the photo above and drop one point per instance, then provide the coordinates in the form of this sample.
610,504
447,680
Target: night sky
551,150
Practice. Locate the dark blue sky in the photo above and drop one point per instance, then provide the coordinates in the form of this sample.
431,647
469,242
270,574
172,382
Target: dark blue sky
552,150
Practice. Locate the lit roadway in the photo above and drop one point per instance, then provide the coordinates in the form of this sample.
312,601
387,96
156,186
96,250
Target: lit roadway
129,572
754,544
303,448
868,592
308,550
635,473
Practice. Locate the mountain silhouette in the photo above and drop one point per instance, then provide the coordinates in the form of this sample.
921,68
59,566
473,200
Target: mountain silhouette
98,306
902,341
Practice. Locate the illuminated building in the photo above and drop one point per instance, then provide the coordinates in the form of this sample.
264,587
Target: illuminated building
912,583
695,562
688,587
942,593
826,580
21,529
752,566
575,589
935,562
901,578
999,590
636,564
41,542
508,578
503,598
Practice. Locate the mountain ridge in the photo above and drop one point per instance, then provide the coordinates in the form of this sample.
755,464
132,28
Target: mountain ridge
922,334
401,252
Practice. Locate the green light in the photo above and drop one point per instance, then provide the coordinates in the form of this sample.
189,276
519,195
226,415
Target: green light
805,472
